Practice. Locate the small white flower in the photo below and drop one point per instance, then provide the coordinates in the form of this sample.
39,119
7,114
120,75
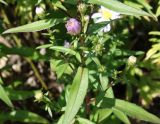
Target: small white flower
103,15
39,10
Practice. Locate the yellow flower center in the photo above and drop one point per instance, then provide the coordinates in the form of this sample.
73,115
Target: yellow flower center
106,14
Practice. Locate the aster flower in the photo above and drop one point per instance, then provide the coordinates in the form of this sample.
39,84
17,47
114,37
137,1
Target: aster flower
103,15
73,26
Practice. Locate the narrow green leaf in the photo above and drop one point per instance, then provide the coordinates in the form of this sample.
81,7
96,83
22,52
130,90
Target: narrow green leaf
84,121
121,116
59,4
130,109
23,116
77,94
102,114
96,60
35,26
120,7
20,94
60,119
103,81
61,67
22,51
1,81
4,97
44,46
63,50
78,57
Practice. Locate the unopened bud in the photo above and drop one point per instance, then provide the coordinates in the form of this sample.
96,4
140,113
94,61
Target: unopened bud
39,10
82,8
38,96
86,18
132,60
73,26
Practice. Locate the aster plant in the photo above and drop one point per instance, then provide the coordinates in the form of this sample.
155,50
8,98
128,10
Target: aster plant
82,51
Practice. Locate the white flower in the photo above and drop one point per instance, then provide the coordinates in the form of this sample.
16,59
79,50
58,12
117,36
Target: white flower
39,10
103,15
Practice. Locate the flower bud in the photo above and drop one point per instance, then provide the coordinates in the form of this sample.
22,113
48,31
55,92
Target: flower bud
73,26
38,96
39,10
82,8
86,18
132,60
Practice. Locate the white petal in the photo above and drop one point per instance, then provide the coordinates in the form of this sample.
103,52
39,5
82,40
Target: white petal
107,28
115,17
100,20
114,14
96,15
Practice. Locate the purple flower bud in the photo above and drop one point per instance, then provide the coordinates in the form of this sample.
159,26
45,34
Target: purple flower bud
73,26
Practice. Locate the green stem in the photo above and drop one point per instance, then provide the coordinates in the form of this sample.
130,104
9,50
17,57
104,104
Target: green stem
36,73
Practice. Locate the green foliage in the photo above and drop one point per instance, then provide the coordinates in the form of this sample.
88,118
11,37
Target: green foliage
23,116
35,26
76,95
121,116
3,95
130,109
120,7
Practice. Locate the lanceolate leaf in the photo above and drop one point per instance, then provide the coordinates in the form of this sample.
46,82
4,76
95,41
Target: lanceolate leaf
23,116
117,6
102,114
130,109
121,116
76,95
35,26
63,50
20,94
4,97
84,121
